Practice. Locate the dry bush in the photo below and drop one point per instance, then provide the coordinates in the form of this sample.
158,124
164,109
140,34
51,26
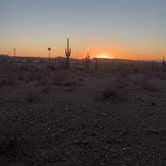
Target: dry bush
31,98
150,86
14,146
43,81
24,67
7,82
45,90
81,79
21,78
160,75
51,67
11,141
111,95
57,83
71,83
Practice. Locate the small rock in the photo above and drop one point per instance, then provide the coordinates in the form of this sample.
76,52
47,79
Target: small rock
85,142
103,114
153,131
153,104
129,161
164,161
93,133
124,132
106,147
67,108
126,149
118,141
101,127
84,132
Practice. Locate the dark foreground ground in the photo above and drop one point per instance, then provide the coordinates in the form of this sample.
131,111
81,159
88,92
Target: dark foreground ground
50,116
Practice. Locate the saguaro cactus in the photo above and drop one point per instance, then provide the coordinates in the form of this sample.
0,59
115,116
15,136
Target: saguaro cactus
68,53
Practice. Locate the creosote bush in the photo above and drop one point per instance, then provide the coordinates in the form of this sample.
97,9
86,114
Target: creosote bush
7,82
111,95
31,98
11,141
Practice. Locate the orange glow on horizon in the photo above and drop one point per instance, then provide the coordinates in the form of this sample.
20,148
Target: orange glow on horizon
106,56
99,52
80,55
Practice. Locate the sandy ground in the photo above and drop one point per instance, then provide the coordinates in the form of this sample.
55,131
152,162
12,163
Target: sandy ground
50,116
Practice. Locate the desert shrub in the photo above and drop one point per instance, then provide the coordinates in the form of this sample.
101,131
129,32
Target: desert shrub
71,83
24,67
57,83
7,82
160,75
153,84
45,90
42,82
31,98
69,89
81,79
21,78
136,70
14,146
11,141
113,95
108,94
51,67
149,86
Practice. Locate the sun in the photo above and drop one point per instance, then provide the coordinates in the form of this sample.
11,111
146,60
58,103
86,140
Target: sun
106,56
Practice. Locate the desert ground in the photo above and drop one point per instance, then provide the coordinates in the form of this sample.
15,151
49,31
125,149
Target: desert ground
50,116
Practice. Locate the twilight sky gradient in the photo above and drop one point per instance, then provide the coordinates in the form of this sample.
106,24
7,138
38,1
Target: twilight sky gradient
133,29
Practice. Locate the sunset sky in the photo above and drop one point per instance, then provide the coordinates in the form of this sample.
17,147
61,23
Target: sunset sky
132,29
